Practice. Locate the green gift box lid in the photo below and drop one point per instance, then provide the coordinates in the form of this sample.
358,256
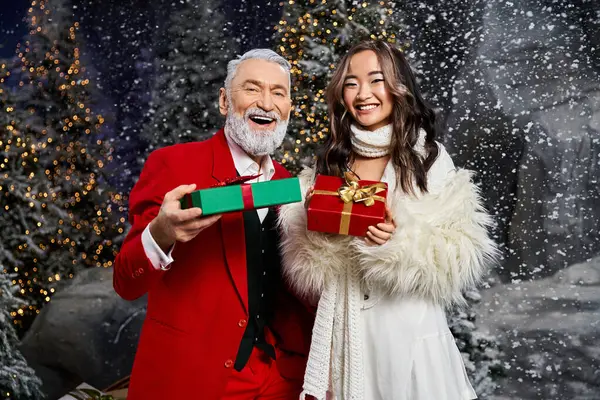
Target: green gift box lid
251,196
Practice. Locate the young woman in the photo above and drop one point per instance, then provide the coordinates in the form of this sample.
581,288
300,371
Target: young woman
381,331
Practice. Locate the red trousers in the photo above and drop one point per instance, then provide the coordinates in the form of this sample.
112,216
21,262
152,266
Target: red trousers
260,380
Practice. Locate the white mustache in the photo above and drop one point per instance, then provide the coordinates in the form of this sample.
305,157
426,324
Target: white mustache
238,129
261,113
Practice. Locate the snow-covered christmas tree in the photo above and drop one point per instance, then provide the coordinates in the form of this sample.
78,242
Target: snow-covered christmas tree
18,381
22,189
313,36
481,352
191,69
59,209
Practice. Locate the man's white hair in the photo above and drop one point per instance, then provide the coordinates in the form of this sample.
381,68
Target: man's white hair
256,54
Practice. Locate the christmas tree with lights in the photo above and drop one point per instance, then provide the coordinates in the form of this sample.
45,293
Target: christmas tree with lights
18,381
313,36
191,69
22,216
62,212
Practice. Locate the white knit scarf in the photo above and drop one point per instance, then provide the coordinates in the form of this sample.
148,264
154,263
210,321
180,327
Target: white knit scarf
336,359
371,144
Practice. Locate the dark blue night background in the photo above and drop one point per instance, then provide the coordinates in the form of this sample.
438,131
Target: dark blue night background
12,26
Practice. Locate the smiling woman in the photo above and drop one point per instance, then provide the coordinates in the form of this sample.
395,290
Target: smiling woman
374,83
392,286
365,93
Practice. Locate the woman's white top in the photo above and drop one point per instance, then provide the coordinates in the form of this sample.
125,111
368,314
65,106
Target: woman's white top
409,352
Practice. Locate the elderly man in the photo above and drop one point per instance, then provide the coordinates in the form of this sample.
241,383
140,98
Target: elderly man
220,322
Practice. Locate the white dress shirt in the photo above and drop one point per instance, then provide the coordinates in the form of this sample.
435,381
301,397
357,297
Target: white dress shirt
244,165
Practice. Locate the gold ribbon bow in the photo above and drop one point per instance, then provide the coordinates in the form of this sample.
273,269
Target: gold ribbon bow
353,192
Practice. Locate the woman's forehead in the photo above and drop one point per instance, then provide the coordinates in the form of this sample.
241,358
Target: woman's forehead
363,62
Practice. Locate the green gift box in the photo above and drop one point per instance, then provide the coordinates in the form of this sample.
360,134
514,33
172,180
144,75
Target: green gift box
245,196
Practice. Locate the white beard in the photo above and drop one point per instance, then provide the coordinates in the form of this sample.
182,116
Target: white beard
255,143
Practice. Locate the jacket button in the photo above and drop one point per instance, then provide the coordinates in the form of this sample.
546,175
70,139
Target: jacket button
140,271
242,323
228,364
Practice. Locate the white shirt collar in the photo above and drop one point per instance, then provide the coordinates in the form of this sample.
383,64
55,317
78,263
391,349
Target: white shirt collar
245,165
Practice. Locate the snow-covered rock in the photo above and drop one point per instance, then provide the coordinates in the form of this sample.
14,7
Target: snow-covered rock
87,333
525,114
550,330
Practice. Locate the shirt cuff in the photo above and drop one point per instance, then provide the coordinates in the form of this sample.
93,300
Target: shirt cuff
157,257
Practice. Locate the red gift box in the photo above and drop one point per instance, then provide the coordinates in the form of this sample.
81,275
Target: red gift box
346,206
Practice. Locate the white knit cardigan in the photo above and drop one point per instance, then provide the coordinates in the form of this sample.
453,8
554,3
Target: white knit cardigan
440,248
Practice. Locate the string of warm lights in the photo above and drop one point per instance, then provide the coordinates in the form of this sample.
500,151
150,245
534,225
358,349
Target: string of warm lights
64,218
312,36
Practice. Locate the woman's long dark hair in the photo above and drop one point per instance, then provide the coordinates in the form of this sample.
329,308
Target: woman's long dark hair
409,114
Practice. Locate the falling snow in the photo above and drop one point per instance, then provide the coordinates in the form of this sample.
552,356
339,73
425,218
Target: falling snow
516,85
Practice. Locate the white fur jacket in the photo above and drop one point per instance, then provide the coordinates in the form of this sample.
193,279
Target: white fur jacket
441,244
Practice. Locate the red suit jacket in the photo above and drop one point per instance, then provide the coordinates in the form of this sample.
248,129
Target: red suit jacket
197,310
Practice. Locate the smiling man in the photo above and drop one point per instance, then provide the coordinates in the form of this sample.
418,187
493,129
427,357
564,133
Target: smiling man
220,323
